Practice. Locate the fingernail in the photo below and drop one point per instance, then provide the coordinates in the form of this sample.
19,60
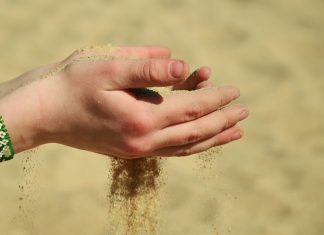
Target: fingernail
244,113
176,69
237,135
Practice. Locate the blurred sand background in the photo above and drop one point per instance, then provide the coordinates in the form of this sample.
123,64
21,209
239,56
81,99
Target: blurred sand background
270,183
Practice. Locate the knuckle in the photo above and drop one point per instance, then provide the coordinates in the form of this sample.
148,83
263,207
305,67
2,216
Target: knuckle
225,120
184,152
193,137
135,147
144,70
194,112
139,124
219,98
150,70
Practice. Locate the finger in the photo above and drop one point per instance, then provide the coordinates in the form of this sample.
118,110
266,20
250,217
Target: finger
200,129
141,73
231,134
204,84
198,76
145,52
188,106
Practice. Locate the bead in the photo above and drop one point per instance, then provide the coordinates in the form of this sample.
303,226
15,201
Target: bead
6,149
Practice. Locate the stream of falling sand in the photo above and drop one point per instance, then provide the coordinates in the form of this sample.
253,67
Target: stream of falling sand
28,193
133,195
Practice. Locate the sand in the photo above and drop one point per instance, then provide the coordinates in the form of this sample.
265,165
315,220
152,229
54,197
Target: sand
134,195
269,183
87,53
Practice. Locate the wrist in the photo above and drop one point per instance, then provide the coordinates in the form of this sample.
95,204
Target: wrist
21,112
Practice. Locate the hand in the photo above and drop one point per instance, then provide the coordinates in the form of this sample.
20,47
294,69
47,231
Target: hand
197,80
91,105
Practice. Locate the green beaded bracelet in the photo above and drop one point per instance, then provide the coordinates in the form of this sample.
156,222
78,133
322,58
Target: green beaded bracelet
6,149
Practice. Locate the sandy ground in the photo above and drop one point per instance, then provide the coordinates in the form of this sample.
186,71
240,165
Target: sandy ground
270,183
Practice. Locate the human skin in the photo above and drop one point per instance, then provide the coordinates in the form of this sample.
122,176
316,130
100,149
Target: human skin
88,105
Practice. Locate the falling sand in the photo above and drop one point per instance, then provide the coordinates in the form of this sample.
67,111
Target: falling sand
133,195
90,53
28,194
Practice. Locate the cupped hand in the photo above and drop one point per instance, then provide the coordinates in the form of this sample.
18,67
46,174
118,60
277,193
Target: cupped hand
91,104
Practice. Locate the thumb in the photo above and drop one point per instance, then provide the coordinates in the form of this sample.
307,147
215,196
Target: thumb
142,73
